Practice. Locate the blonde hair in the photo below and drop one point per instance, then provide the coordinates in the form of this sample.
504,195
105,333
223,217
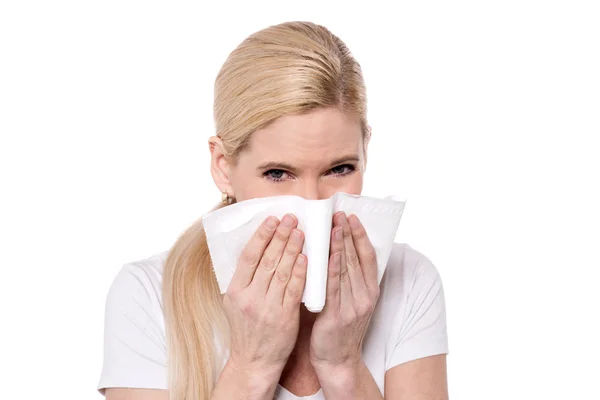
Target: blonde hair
290,68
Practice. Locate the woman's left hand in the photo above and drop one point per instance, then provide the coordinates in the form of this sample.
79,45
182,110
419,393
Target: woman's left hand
352,293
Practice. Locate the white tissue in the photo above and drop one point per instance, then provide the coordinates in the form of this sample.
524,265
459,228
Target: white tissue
229,229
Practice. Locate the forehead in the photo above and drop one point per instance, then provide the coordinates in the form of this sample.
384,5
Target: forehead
306,140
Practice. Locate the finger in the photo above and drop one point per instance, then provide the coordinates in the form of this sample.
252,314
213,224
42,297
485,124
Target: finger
333,294
336,222
353,267
283,272
295,287
337,240
252,253
365,250
337,246
272,254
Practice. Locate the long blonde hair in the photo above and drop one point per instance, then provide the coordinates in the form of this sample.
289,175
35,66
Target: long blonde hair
290,68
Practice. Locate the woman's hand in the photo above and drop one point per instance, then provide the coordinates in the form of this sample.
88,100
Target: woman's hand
352,293
262,302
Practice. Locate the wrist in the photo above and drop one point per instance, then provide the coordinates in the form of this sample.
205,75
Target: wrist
350,380
255,380
339,375
339,368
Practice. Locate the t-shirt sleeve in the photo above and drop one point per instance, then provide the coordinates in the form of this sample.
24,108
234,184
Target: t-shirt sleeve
134,343
419,329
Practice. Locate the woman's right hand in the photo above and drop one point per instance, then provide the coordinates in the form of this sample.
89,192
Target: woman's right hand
263,299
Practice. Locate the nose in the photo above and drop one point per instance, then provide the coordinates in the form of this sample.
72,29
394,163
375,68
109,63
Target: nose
312,191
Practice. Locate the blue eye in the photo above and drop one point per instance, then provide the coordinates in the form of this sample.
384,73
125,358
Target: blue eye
280,175
276,175
342,170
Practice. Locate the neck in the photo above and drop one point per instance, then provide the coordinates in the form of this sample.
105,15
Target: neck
299,376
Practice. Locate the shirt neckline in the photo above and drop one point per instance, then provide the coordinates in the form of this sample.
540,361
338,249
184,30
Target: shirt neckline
284,394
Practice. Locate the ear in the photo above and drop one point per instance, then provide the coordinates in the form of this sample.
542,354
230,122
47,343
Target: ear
220,167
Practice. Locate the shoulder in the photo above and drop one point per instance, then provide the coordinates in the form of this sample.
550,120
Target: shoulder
146,272
135,354
407,267
413,307
138,281
411,284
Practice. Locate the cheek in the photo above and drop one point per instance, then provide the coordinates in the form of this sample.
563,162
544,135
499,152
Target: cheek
352,185
355,184
253,187
257,191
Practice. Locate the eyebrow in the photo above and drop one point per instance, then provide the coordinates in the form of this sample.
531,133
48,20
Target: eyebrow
288,167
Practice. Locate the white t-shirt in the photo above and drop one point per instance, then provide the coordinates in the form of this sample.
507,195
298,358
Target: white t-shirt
409,322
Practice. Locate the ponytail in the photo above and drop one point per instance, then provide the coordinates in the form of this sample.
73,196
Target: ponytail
194,319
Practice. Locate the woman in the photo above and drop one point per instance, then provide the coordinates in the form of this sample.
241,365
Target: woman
290,114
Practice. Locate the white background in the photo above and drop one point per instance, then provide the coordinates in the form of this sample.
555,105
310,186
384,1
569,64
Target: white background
485,115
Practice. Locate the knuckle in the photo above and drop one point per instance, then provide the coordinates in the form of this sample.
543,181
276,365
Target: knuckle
280,236
267,263
264,234
360,233
292,291
298,273
364,308
291,250
250,258
334,271
336,247
282,276
246,307
371,257
233,292
352,260
337,244
344,276
347,319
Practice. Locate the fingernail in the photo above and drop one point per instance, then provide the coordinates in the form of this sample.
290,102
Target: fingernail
353,220
301,259
288,221
271,222
342,219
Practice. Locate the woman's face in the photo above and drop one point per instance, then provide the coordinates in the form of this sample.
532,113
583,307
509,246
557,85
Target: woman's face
313,156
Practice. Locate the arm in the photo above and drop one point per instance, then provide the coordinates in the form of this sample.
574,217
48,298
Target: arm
233,383
263,315
355,384
135,394
422,379
336,338
237,383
